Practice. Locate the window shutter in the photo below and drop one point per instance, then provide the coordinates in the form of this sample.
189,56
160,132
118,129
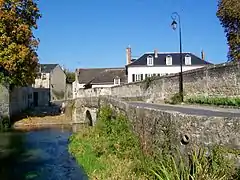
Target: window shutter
141,77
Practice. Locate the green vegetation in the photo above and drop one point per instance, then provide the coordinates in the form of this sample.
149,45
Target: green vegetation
4,123
214,166
70,76
229,16
218,101
18,44
148,81
175,99
110,150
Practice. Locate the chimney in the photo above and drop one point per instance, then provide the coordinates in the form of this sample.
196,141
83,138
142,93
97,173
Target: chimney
76,75
129,54
202,55
155,53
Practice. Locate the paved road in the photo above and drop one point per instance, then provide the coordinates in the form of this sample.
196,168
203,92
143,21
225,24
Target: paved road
197,110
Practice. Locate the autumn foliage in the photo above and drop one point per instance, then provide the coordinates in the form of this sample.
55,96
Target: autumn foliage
229,16
18,46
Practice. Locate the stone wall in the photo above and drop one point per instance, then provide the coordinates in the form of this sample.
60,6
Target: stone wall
4,101
167,129
20,99
215,80
14,101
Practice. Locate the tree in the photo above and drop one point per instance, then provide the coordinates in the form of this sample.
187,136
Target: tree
229,16
70,76
18,46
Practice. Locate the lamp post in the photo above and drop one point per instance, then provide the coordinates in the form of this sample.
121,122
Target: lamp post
175,18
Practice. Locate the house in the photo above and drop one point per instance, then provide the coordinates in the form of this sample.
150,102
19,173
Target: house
50,84
98,77
159,64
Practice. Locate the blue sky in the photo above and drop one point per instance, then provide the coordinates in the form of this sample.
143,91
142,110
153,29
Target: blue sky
95,33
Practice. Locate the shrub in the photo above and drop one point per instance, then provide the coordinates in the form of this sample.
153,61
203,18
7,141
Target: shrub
218,101
175,99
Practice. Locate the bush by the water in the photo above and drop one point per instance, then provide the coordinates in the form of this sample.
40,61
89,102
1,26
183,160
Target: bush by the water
110,150
218,101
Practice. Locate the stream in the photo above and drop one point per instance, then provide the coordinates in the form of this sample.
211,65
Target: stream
38,154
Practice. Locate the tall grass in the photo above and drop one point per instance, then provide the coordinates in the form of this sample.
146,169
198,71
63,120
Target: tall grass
200,165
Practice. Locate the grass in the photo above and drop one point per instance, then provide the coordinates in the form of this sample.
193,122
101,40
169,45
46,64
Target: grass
200,166
218,101
110,150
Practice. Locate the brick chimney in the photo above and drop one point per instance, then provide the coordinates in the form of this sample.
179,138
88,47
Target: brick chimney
202,55
155,53
128,54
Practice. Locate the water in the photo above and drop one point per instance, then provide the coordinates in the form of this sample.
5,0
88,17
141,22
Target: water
38,154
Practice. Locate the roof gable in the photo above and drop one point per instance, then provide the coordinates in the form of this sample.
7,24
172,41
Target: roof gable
47,68
161,59
101,75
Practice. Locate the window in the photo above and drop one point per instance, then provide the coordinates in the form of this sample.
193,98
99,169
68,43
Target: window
169,60
150,60
44,76
133,77
138,77
188,60
117,81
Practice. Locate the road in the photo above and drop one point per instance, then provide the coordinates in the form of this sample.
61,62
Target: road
192,110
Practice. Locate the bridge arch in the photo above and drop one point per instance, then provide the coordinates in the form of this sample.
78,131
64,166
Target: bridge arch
88,118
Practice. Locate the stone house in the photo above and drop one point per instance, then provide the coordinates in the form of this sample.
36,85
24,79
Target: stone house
50,84
159,64
98,78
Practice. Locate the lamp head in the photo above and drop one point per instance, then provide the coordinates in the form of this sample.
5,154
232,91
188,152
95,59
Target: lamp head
174,25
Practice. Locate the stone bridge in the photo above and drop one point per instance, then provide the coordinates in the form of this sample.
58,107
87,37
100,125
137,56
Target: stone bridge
179,125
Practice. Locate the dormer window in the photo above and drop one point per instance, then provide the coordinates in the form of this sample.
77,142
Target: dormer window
117,81
188,60
150,60
169,60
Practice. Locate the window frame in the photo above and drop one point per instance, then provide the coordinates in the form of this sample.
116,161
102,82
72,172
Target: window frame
169,60
116,80
188,60
150,60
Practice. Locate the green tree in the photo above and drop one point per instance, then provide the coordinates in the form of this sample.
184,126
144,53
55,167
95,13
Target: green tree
229,16
70,76
18,46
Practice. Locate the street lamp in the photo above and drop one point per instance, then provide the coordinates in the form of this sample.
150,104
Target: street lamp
175,18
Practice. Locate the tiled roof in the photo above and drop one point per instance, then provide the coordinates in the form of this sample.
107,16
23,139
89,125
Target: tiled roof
101,75
47,68
161,59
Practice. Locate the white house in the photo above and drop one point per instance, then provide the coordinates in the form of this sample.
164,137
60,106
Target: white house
159,64
98,77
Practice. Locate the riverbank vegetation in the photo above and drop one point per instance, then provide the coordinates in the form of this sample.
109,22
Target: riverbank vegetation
110,150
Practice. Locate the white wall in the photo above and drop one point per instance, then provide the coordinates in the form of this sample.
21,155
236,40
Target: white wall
40,83
157,70
76,86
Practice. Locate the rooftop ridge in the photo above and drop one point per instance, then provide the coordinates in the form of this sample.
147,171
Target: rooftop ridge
168,52
109,68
